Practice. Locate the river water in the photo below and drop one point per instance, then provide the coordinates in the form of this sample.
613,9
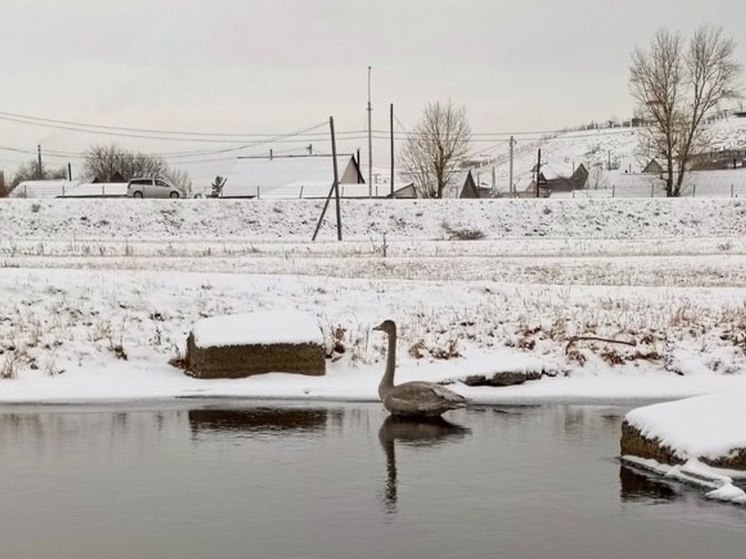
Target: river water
236,479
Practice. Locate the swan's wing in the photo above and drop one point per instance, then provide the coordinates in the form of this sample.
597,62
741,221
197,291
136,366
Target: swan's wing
422,397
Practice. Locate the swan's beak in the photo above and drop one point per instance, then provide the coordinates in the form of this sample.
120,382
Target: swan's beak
377,327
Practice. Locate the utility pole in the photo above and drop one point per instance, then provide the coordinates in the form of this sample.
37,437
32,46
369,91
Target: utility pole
391,128
39,168
370,142
333,190
510,173
336,179
538,173
69,171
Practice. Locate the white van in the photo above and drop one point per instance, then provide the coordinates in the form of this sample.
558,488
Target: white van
151,188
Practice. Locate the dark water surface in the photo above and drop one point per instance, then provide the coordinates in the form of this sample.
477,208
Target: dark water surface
251,480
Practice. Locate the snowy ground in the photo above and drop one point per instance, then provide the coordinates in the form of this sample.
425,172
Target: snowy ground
99,295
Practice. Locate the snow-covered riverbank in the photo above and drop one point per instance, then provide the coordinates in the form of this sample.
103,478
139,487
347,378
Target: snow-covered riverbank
80,293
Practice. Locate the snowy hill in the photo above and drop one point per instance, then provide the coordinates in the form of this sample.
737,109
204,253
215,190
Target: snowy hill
563,152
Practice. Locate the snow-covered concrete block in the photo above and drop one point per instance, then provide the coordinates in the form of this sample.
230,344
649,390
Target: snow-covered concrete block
240,345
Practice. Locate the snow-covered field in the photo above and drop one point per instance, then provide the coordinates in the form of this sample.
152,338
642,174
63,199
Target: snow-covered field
99,295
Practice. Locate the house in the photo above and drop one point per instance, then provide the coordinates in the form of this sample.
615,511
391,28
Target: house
462,184
555,177
653,168
301,176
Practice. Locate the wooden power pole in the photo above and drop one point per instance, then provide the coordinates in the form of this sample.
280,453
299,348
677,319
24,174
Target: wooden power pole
333,190
510,173
538,173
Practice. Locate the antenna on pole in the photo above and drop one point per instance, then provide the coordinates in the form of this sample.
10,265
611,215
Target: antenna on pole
370,141
391,124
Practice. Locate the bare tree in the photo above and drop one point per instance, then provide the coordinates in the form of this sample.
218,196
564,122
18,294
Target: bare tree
675,87
111,163
30,171
180,179
435,146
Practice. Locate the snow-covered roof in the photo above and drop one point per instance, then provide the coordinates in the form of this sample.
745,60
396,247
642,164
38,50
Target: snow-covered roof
41,188
253,177
456,183
717,184
557,168
715,180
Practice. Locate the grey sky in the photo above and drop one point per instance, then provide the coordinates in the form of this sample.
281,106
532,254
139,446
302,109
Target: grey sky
269,66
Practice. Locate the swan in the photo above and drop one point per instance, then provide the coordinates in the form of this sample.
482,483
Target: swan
413,399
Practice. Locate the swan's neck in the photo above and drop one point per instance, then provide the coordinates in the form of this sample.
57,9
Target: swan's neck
387,382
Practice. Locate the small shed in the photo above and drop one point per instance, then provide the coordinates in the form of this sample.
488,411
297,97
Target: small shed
461,184
653,167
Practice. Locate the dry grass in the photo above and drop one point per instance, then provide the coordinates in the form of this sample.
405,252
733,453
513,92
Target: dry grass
462,233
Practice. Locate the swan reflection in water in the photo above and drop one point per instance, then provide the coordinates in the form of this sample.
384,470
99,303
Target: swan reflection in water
412,432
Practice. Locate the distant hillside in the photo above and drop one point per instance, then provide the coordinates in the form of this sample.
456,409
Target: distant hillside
562,152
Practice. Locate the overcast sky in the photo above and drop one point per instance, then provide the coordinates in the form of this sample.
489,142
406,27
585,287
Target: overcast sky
274,66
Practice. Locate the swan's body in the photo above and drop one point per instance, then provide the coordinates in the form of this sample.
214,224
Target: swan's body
413,399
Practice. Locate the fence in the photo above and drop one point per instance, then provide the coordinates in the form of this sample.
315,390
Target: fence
655,191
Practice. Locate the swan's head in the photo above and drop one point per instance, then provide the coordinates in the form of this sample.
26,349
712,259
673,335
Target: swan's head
387,326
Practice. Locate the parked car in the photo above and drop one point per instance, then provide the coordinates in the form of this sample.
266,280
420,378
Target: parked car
151,188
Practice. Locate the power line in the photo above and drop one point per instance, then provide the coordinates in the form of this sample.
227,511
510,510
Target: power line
145,134
226,137
83,125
